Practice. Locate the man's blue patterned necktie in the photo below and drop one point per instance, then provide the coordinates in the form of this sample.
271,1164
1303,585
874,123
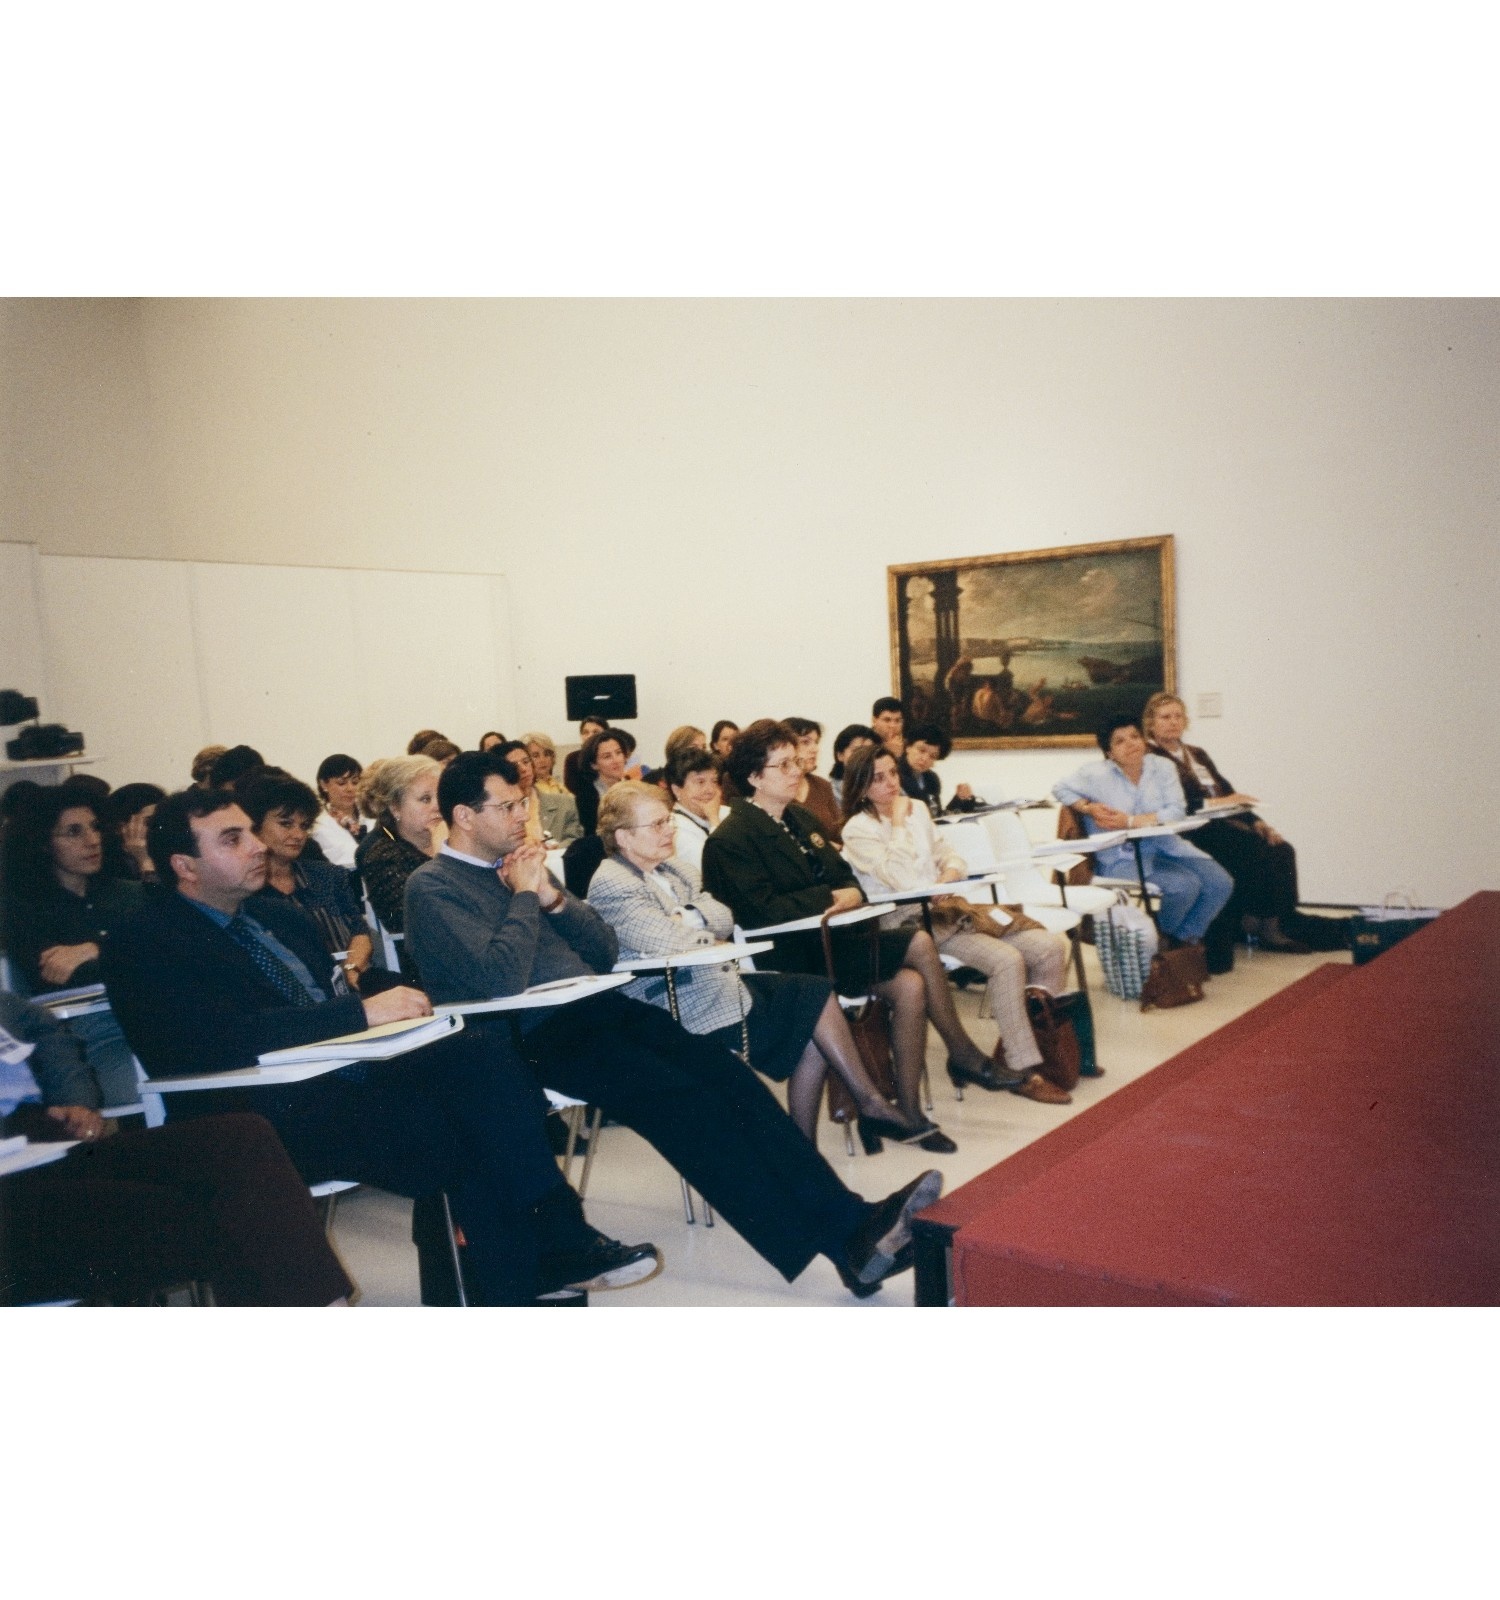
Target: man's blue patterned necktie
277,972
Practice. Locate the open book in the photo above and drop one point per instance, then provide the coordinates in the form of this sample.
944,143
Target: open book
373,1044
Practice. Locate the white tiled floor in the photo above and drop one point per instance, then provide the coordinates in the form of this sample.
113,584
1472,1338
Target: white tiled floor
634,1195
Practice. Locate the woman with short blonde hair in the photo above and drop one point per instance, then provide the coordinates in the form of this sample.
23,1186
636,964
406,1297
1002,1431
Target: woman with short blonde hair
788,1026
399,794
1262,864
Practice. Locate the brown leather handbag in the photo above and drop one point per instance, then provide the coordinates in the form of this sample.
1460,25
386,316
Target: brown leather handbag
1176,978
1056,1038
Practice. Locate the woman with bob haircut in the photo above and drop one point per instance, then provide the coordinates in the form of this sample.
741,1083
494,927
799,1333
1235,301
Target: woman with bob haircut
769,862
787,1026
338,827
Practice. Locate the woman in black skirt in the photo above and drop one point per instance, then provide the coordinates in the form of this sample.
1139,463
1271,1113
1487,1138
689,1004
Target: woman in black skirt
769,863
789,1027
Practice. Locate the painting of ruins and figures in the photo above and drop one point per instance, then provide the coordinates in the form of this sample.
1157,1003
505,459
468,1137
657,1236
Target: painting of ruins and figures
1036,648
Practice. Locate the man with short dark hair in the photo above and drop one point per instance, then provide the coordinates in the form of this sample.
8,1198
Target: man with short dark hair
486,919
200,987
888,719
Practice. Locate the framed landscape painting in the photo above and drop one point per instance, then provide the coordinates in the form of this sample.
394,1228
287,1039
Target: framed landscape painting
1036,648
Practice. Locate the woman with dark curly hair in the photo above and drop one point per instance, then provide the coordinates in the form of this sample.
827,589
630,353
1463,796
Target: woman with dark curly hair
603,762
769,862
65,886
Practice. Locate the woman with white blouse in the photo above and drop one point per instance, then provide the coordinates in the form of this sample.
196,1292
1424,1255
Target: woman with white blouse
698,807
892,843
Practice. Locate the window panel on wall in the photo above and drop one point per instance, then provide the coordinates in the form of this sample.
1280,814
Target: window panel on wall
435,649
122,664
279,665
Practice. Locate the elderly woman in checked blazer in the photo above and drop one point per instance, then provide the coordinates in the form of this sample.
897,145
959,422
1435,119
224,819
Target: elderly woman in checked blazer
794,1027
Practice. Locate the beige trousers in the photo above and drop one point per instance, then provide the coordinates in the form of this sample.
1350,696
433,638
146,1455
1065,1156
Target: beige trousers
1035,957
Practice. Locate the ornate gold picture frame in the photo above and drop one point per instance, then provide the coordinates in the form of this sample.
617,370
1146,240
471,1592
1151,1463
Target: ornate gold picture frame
1035,648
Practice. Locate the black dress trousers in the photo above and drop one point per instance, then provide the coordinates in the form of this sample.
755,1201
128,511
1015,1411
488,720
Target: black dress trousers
708,1115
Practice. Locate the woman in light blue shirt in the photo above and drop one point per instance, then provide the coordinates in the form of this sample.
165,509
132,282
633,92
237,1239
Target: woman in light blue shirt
1133,789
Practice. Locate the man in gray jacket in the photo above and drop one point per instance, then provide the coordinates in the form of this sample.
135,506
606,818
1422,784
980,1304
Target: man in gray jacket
485,919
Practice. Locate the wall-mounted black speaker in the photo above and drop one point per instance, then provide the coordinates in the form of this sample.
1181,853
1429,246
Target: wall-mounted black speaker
606,694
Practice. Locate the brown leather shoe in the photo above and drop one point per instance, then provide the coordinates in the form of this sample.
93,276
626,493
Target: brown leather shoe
1037,1088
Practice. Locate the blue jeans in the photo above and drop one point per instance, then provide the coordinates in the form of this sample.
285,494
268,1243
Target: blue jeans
1194,890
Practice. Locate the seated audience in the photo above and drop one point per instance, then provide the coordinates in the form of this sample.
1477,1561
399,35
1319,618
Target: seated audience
417,744
551,819
129,809
66,889
855,737
399,795
233,765
339,826
693,781
543,753
281,809
213,1200
721,740
787,1026
587,728
1132,788
769,863
489,741
486,919
888,719
1262,864
890,841
200,986
927,746
815,794
603,761
203,764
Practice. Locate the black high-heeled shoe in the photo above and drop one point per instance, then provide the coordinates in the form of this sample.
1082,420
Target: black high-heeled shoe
874,1130
989,1077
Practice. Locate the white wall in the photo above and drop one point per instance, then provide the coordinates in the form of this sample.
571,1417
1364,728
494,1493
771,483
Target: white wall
707,493
154,659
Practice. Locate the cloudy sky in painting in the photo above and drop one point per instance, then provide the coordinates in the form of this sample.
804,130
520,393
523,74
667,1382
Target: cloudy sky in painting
1111,597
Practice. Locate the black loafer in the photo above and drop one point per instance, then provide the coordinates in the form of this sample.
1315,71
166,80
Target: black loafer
601,1264
879,1240
863,1291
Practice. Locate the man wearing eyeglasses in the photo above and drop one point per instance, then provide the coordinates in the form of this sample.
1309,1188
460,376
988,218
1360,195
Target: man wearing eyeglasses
485,919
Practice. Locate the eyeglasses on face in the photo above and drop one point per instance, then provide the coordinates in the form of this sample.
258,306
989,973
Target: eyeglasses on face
786,764
510,808
660,825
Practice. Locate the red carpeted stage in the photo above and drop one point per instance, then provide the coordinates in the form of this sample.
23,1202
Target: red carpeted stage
1338,1145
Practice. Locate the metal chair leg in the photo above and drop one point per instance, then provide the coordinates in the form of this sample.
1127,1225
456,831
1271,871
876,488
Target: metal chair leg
849,1139
926,1087
708,1212
588,1157
687,1204
330,1204
575,1121
458,1266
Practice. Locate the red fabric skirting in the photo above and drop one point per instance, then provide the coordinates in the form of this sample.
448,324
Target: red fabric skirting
1338,1145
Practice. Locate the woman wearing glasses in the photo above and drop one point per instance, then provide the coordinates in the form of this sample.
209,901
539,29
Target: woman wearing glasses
769,862
789,1027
